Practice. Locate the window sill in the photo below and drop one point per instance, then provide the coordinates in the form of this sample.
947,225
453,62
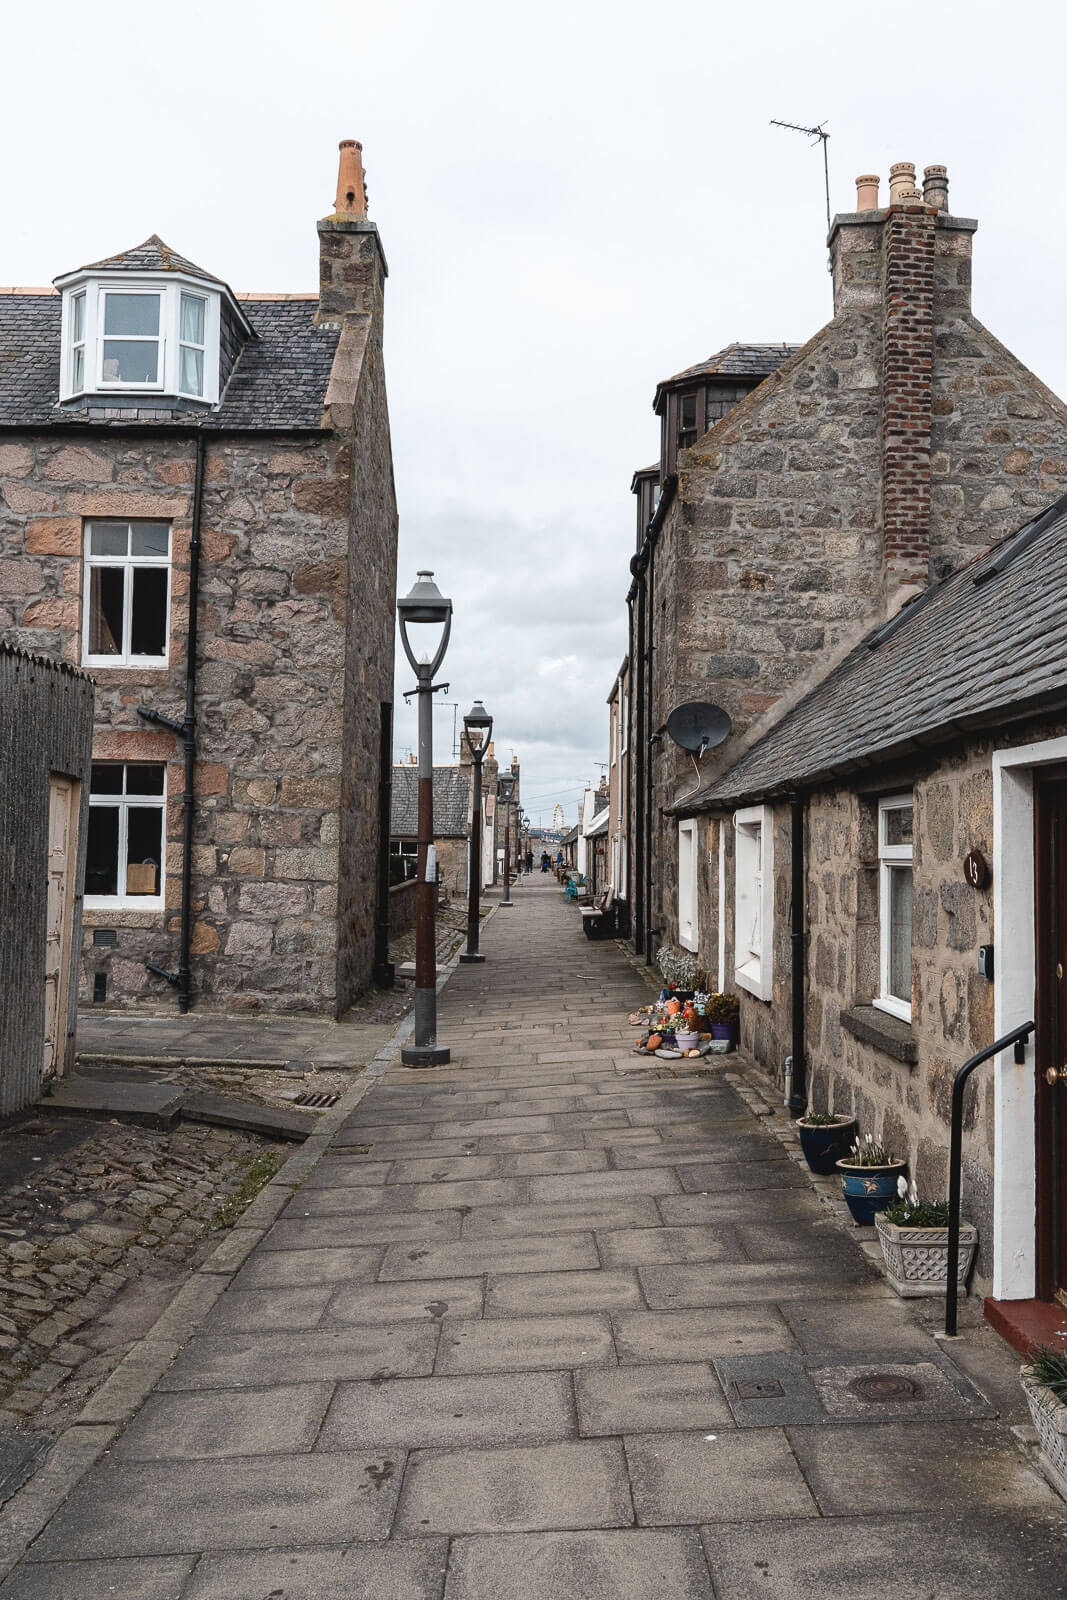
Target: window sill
749,977
885,1032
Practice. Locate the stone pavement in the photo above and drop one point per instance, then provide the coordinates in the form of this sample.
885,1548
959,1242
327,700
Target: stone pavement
555,1324
206,1036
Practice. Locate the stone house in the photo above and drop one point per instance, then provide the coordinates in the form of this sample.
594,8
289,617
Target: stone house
452,799
618,797
872,468
46,733
197,506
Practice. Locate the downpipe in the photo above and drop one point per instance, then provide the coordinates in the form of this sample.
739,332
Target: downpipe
796,1093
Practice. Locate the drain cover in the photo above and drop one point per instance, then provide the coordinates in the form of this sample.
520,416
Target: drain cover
319,1099
758,1388
885,1387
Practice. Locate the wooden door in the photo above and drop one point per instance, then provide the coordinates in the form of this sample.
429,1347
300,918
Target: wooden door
62,855
1051,1018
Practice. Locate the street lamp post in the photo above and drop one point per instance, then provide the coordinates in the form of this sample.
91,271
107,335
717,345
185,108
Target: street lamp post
425,604
477,721
505,788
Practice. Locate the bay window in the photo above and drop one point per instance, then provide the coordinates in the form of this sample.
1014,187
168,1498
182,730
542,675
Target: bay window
895,855
140,336
124,861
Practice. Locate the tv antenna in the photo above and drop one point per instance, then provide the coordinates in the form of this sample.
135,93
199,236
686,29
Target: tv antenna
817,132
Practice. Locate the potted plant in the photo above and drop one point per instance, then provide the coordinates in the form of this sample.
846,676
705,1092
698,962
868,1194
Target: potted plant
913,1234
679,969
824,1138
1044,1381
869,1176
687,1029
723,1012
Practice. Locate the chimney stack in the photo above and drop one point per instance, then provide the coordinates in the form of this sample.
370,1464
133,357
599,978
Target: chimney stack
352,267
901,182
867,192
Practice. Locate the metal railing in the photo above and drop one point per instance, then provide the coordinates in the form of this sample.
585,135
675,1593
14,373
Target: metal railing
1018,1038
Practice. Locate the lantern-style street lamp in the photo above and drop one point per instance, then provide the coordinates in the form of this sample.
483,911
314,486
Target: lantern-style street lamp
477,721
505,790
425,604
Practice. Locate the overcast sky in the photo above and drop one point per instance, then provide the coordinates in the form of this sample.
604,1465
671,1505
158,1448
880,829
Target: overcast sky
576,200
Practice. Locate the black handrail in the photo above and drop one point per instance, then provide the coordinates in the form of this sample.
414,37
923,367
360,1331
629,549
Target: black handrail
1018,1038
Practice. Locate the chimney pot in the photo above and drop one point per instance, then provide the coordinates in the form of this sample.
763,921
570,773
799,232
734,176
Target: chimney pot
867,192
901,177
351,198
935,187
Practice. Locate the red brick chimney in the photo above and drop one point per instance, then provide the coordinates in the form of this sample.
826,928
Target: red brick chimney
909,266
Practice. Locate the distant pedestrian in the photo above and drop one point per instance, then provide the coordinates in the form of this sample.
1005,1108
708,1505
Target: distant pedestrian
546,864
529,860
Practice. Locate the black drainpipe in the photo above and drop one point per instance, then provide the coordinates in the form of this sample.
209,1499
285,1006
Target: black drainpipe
637,741
629,753
182,979
384,970
650,601
798,1097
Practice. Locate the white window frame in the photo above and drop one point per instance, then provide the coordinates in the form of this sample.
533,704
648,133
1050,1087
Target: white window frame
128,563
122,901
754,900
190,344
169,290
108,385
78,346
688,898
624,719
890,856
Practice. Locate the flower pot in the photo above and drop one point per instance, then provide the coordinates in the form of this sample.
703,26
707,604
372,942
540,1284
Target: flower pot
868,1190
824,1147
725,1030
916,1259
1049,1416
686,1041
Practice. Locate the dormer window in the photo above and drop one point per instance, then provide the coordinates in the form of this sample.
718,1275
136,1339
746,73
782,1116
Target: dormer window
140,337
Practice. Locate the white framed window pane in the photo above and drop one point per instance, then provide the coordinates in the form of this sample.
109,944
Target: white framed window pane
193,318
897,823
105,779
107,594
133,315
77,318
149,539
900,899
144,849
145,779
78,370
148,612
131,361
191,378
102,850
109,539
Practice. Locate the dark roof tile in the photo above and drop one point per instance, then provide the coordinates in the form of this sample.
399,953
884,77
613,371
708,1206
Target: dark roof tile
451,802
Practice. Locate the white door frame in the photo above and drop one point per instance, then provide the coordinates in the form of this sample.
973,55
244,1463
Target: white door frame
1014,1000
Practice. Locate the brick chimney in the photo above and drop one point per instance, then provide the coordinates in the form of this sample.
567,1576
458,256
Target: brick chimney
352,265
909,266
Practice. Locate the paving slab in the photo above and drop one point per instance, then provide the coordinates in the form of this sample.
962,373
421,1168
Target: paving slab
736,1283
269,1310
294,1268
563,1252
699,1335
583,1186
553,1486
561,1216
158,1578
250,1422
522,1343
649,1247
147,1103
249,1502
440,1169
537,1293
423,1300
656,1395
718,1476
400,1570
243,1361
314,1232
579,1566
411,1412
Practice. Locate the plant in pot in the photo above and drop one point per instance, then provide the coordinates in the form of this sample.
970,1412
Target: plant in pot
913,1234
679,969
687,1029
869,1176
825,1136
723,1012
1044,1381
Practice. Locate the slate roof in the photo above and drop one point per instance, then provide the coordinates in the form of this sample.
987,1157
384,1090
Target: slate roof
737,361
572,836
279,381
451,802
152,256
986,645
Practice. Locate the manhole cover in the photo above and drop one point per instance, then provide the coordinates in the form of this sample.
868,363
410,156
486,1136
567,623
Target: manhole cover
885,1387
318,1099
758,1388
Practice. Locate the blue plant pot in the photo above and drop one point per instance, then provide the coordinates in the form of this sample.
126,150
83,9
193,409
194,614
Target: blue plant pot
868,1190
824,1147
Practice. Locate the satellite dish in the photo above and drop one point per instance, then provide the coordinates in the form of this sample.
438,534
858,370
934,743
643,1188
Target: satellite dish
698,726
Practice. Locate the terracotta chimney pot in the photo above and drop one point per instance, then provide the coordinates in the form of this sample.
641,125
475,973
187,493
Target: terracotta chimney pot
935,187
901,177
867,192
351,188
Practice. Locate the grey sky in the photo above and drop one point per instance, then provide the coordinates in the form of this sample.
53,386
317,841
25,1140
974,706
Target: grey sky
576,200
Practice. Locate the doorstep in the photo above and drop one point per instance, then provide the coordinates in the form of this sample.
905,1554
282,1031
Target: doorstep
1026,1323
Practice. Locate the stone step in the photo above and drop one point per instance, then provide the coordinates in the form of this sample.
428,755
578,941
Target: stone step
149,1104
272,1121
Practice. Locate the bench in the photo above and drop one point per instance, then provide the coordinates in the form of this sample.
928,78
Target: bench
598,918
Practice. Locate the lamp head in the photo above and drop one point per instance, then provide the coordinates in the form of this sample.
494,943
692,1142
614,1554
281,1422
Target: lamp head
477,718
425,603
505,788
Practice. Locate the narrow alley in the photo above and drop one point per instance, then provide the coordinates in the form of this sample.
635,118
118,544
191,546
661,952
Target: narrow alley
550,1323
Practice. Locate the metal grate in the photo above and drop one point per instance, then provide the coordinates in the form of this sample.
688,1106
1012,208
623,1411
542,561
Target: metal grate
885,1387
758,1388
318,1099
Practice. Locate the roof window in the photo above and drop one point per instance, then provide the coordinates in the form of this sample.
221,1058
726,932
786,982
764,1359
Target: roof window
140,337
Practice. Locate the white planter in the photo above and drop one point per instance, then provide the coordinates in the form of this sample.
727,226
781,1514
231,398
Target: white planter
1050,1419
687,1041
916,1259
